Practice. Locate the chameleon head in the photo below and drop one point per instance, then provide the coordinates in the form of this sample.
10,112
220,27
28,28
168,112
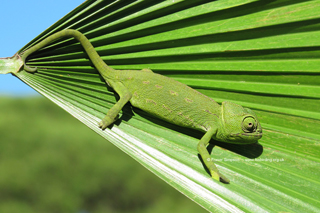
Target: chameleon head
238,125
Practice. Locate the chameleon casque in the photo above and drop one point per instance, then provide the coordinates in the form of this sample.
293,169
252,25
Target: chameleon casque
169,100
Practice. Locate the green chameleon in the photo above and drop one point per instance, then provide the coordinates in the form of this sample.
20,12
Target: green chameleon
169,100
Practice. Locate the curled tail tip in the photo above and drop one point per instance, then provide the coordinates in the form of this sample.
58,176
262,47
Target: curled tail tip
29,69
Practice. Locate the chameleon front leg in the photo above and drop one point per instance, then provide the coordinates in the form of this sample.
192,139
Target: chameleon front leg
112,114
202,149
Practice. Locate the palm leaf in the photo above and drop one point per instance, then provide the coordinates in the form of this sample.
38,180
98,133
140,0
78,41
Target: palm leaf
261,54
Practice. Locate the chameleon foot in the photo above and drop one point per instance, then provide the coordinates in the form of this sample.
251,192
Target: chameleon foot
107,121
219,177
103,125
215,174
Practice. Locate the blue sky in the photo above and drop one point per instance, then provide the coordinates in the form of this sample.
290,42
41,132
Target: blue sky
21,21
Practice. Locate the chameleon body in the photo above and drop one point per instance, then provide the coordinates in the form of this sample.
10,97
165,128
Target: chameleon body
169,100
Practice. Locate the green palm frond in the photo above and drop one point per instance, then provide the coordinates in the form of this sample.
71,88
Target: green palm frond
261,54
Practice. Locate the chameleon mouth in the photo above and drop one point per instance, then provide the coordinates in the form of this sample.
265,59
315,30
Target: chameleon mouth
255,134
247,137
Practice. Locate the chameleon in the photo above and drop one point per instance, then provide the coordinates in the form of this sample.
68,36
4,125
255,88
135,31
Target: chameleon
169,100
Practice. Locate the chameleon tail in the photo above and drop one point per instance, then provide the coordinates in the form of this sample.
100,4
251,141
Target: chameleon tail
92,53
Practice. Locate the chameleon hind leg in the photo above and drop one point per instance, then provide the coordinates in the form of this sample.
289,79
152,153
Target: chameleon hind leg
208,161
113,113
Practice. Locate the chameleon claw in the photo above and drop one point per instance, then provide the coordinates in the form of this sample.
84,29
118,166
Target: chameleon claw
103,125
107,121
219,177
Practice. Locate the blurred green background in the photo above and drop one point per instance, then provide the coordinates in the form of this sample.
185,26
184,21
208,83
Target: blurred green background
50,162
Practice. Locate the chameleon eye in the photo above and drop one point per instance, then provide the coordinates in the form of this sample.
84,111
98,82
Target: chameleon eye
249,124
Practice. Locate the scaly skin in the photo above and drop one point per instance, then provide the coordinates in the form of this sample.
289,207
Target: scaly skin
169,100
